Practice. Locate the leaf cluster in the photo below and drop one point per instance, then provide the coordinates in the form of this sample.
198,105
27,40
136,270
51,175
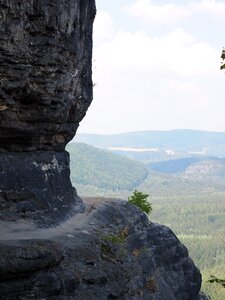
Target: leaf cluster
141,201
114,239
223,57
214,279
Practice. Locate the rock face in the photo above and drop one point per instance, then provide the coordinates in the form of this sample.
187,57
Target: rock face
45,57
110,252
36,186
45,91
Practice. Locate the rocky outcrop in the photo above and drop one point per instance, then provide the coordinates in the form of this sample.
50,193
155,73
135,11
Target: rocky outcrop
111,251
45,57
36,186
45,91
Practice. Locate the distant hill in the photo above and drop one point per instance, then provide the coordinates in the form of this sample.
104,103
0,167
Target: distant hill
190,176
150,156
187,194
97,168
146,145
96,172
212,170
175,166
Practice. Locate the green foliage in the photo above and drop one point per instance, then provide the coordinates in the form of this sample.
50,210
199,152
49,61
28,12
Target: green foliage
114,239
193,208
214,279
141,200
190,217
97,170
223,57
174,166
106,250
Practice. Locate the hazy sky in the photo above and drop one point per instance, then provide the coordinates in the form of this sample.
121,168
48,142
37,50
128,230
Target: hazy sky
156,66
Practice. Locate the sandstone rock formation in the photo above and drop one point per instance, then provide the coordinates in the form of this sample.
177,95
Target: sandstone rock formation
45,57
110,251
45,91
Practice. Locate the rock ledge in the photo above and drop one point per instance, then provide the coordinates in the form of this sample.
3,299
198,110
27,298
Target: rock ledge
111,251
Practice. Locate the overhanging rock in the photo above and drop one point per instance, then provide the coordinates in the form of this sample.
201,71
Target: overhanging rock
45,91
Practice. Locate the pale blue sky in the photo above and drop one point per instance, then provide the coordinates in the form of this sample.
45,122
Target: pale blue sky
156,66
204,28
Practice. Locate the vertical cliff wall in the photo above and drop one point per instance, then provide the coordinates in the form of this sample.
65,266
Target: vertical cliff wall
45,91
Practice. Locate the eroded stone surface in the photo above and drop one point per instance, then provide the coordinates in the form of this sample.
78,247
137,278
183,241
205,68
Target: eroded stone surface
21,257
112,252
45,91
37,186
45,74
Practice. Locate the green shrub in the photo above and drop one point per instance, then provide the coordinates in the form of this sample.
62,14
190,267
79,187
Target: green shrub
141,200
114,239
214,279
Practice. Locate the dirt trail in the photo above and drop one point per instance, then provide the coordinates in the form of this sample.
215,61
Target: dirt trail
27,230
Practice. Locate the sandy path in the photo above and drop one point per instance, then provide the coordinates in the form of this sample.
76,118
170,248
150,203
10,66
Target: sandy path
79,222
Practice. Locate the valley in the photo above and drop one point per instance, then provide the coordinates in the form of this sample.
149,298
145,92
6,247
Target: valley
187,194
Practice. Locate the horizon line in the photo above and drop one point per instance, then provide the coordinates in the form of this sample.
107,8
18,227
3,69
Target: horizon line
149,130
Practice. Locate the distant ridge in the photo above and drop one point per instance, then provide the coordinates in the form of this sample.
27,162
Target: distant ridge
191,142
95,171
91,166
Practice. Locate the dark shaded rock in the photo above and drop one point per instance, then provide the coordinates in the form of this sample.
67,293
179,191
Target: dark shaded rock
37,186
45,91
45,74
204,297
110,252
19,258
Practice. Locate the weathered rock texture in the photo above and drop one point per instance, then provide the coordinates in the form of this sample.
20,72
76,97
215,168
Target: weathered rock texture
45,74
36,186
110,252
45,91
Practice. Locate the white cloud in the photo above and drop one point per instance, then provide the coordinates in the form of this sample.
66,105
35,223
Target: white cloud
175,53
103,26
145,82
172,14
148,82
166,14
213,8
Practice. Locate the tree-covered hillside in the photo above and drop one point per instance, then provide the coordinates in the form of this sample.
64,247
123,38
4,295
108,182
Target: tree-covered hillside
193,206
99,172
174,166
96,168
207,170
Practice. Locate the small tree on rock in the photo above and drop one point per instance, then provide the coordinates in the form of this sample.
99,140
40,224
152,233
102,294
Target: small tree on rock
214,279
141,200
223,58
